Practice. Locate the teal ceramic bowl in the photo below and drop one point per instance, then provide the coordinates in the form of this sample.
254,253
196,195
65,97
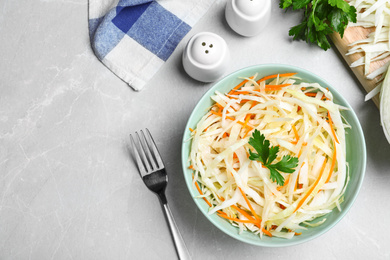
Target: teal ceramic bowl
355,155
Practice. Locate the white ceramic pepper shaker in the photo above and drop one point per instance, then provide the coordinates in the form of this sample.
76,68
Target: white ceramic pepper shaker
248,17
206,57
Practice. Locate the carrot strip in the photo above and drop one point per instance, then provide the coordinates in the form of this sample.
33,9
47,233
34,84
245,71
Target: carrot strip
192,130
331,127
312,187
252,221
275,87
266,232
224,215
241,92
231,118
275,75
243,212
267,88
311,94
249,217
301,150
314,94
333,163
247,117
296,184
295,132
219,105
249,205
201,193
239,85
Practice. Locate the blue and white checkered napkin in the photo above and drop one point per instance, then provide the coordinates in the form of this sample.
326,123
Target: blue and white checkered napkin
134,38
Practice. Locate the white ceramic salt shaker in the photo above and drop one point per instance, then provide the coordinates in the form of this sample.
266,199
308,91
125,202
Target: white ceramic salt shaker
248,17
206,57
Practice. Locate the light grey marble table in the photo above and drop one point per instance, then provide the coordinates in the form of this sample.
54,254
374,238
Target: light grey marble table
68,188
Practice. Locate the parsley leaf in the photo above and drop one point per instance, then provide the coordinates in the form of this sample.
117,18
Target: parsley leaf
261,146
320,18
266,154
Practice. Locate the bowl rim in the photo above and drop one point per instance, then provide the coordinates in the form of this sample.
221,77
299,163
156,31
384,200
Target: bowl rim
358,132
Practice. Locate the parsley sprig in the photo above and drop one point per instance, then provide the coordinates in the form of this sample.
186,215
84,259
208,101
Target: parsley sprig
321,17
266,154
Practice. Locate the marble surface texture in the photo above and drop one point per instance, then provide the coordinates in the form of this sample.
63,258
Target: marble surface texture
68,187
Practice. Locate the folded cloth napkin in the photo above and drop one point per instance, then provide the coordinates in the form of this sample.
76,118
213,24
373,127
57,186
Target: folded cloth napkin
134,38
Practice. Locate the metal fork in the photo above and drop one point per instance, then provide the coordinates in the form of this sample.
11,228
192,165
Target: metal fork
152,171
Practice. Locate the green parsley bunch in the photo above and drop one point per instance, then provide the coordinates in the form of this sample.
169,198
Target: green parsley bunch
321,18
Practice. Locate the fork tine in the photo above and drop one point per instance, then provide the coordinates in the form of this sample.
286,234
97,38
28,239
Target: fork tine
138,159
143,155
149,155
155,150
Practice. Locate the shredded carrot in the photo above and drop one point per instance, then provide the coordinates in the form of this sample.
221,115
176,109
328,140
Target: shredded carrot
275,87
252,221
276,75
266,232
296,183
192,130
311,94
201,192
314,94
331,127
243,212
247,117
312,187
301,150
241,92
224,215
239,85
249,205
295,132
231,118
219,105
191,167
249,217
333,163
247,132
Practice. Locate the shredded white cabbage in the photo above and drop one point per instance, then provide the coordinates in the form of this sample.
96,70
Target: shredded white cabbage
373,14
302,119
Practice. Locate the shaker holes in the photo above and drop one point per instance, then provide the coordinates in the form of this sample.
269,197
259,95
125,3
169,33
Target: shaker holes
210,46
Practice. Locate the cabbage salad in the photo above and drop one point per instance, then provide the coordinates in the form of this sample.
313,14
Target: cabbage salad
269,156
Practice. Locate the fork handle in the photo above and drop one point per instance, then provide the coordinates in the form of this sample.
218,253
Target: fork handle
181,248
